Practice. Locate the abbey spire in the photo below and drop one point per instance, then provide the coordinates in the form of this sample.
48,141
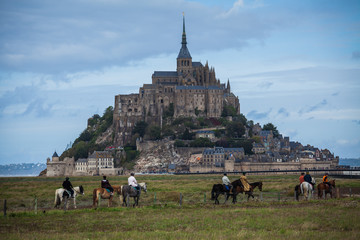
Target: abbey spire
184,60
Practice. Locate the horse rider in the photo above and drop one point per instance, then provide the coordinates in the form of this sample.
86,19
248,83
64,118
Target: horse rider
226,182
301,178
308,178
245,182
133,183
105,184
68,187
326,181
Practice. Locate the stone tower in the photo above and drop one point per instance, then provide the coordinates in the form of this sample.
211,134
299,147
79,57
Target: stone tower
184,60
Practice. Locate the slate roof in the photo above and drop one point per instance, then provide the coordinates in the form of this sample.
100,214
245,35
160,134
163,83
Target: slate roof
184,52
165,74
203,131
82,160
197,64
217,150
198,88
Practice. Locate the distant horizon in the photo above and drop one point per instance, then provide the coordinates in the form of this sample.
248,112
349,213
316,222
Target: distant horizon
45,162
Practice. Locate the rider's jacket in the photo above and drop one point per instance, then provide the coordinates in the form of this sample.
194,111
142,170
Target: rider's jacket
67,184
307,178
105,184
325,179
301,179
226,180
132,181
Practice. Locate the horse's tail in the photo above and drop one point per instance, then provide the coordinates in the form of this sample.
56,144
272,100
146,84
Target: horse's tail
57,199
213,193
297,191
94,196
302,188
121,198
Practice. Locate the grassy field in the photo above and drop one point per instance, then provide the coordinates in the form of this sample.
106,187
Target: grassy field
161,217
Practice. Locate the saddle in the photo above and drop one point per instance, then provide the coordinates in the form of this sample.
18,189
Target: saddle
66,192
226,188
137,189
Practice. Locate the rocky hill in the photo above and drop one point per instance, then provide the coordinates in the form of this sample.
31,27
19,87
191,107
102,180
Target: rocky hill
155,157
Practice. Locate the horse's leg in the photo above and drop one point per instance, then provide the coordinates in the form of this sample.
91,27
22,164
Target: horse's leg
110,200
216,198
226,197
234,198
74,200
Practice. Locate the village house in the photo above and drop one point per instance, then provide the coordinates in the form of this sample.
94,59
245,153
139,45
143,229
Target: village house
205,134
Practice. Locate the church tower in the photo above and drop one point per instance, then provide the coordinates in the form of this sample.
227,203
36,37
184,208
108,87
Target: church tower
184,60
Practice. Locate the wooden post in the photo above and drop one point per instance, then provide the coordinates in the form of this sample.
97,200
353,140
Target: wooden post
5,207
155,198
261,196
295,195
337,193
350,192
324,194
180,202
35,208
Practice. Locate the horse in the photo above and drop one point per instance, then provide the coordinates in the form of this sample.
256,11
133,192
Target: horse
237,188
305,188
127,190
104,194
240,189
218,189
61,194
323,186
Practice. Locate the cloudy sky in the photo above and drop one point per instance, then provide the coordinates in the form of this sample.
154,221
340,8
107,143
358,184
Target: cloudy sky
293,63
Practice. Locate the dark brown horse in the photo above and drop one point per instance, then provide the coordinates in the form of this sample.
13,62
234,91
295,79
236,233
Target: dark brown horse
104,194
240,189
325,187
218,189
237,188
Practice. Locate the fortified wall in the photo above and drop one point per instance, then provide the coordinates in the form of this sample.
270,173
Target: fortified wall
55,167
231,166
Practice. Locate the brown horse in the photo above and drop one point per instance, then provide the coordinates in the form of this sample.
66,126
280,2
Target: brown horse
323,186
104,194
240,189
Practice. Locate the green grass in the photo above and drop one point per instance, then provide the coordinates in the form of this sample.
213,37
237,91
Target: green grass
195,219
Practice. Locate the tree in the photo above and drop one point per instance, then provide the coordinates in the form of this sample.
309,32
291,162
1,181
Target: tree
140,128
187,135
179,143
228,110
154,132
169,111
240,118
108,115
201,142
270,126
235,129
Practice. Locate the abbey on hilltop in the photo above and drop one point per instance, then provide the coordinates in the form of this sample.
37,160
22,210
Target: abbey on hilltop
190,91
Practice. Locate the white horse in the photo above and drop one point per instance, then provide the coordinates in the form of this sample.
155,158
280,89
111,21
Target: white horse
307,189
59,195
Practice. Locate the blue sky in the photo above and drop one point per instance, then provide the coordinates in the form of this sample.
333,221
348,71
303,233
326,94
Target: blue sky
293,63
